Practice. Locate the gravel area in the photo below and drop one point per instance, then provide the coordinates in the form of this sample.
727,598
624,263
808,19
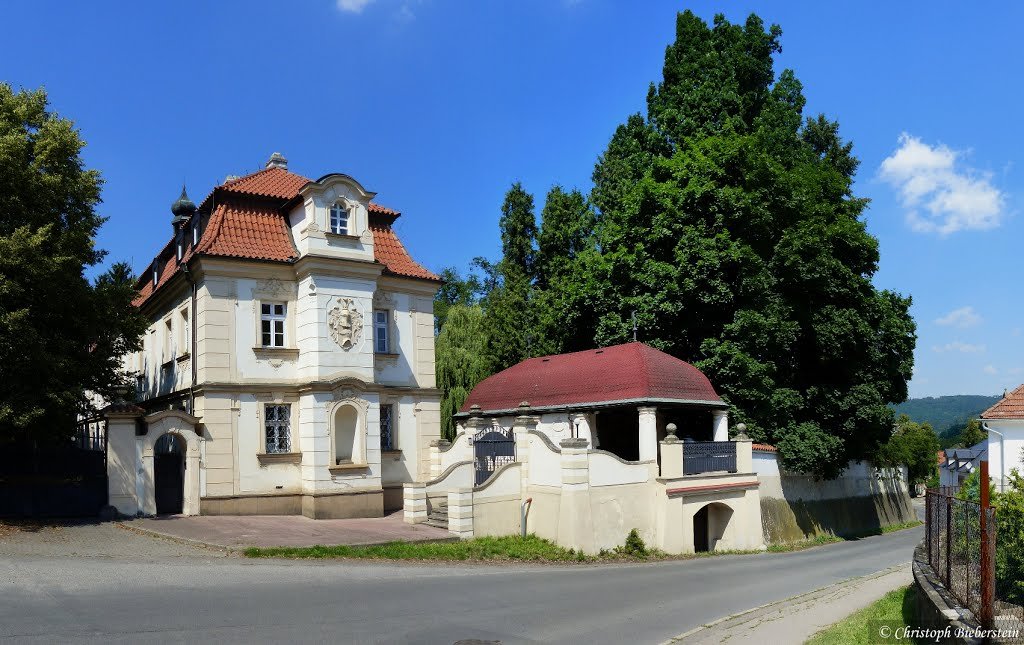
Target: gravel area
69,538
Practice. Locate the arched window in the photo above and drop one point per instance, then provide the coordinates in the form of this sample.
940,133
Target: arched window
339,220
347,447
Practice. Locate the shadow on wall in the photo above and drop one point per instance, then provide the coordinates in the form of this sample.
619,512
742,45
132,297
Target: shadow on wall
841,507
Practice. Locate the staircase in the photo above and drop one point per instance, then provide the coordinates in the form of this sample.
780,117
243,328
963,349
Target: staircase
438,516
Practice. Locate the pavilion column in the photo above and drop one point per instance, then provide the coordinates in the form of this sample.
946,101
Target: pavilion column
648,433
719,425
580,422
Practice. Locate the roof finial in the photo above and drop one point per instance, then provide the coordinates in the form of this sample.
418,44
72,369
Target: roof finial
277,160
182,208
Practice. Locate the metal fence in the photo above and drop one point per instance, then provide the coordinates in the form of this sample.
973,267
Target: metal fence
709,456
962,545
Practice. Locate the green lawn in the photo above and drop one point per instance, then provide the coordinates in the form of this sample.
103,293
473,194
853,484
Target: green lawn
507,548
895,609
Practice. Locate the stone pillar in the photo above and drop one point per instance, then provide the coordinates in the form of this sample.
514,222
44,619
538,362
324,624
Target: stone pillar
648,433
575,523
744,453
720,425
437,446
580,422
521,427
671,454
123,467
414,502
460,512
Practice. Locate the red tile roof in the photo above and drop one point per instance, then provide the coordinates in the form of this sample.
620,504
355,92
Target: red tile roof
1010,406
246,222
763,447
632,372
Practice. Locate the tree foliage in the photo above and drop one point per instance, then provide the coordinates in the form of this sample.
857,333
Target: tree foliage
972,434
914,445
60,335
462,360
727,223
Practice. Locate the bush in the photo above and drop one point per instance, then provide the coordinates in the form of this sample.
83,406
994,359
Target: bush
635,545
1010,540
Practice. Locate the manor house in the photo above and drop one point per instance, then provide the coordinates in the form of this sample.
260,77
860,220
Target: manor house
289,364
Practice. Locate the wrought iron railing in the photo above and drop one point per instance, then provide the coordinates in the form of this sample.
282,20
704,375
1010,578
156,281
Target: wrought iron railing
709,456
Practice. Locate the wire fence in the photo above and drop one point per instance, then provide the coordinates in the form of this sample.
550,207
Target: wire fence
962,550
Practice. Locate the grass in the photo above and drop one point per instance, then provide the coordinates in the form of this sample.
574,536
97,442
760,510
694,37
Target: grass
894,609
484,549
518,549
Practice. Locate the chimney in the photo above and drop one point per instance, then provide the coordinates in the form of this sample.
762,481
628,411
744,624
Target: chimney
277,160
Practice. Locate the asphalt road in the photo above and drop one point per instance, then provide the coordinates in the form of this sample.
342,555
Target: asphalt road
200,598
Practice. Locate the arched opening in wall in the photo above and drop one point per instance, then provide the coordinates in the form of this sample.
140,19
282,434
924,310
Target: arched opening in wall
169,474
709,526
346,420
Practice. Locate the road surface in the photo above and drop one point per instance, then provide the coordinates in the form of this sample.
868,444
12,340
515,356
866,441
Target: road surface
199,598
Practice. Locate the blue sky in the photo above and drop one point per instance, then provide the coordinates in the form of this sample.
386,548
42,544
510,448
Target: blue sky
439,106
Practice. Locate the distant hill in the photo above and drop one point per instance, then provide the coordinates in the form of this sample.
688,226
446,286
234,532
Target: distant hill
946,414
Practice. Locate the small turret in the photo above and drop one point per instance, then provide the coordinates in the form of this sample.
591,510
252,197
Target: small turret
183,209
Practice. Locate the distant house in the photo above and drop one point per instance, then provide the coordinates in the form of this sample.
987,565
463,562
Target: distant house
1004,423
957,463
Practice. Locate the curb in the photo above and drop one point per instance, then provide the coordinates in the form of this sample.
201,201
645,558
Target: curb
719,621
240,549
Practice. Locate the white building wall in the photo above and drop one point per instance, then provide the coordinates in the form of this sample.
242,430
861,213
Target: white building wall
1010,446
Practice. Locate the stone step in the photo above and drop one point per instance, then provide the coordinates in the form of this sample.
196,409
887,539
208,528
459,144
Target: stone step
438,523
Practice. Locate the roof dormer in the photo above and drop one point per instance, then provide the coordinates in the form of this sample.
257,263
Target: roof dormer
334,218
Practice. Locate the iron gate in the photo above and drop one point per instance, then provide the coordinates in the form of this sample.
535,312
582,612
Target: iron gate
492,449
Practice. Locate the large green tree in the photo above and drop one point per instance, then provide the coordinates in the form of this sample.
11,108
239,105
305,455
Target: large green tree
462,360
914,445
728,224
61,336
510,323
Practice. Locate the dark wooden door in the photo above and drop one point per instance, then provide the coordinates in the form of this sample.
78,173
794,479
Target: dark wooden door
169,476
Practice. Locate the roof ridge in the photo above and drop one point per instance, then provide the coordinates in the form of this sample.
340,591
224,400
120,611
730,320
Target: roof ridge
1008,400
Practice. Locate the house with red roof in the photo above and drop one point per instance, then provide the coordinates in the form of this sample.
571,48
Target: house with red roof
289,366
581,448
1004,423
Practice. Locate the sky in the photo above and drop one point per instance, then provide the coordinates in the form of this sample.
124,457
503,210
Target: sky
439,106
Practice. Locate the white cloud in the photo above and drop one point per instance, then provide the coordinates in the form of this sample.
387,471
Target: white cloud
353,6
941,194
957,346
990,369
963,318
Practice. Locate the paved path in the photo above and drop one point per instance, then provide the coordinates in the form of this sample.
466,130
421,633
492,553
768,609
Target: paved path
795,619
287,530
199,598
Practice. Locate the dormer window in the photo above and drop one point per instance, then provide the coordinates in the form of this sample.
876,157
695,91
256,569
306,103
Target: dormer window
156,274
339,220
180,242
195,229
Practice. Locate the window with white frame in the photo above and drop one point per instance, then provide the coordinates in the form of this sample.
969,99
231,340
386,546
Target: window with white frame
339,220
380,331
272,318
168,339
184,344
387,436
277,424
195,229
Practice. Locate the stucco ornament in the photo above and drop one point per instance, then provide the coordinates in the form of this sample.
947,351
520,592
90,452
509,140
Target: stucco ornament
346,323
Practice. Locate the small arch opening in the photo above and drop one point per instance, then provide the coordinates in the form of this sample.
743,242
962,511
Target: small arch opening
346,419
169,474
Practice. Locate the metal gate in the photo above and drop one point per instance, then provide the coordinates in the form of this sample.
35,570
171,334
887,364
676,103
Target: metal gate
492,449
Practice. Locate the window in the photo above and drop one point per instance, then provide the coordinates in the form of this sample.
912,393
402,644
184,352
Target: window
181,247
195,229
272,324
339,219
156,274
184,347
277,422
168,340
387,437
380,331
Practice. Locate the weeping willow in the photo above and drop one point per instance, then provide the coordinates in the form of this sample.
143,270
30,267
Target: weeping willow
462,360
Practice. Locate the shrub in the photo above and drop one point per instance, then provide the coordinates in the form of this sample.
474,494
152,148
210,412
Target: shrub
635,545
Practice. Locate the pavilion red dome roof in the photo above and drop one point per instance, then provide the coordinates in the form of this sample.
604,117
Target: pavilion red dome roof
632,373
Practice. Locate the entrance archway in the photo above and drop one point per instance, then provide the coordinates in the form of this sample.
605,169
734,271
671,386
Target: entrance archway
709,526
169,474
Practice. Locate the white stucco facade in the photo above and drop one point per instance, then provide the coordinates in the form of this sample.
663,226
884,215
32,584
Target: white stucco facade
1005,449
325,382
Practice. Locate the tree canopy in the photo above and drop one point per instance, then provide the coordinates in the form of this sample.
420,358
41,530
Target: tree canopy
61,336
724,223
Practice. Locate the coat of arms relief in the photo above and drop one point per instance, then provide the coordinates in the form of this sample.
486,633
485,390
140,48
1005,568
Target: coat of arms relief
346,323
